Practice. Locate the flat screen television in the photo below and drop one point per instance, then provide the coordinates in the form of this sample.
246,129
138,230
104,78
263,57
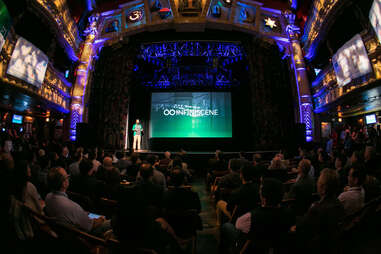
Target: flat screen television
17,119
28,63
375,17
351,61
371,119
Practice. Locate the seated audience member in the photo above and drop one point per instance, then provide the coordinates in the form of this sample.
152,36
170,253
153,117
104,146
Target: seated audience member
339,166
65,157
259,164
232,180
149,192
87,183
23,189
73,169
135,227
133,168
180,197
317,230
303,188
245,198
122,163
93,158
276,163
353,196
158,177
266,225
164,163
372,164
59,206
110,176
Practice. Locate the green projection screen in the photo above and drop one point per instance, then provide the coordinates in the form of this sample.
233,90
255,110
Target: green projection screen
191,115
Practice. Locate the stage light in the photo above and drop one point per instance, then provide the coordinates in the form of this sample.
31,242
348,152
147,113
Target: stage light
216,11
164,13
227,3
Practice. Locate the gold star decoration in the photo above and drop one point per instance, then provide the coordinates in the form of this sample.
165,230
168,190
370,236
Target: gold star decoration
270,23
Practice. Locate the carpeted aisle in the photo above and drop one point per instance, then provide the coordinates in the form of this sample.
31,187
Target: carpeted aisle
207,238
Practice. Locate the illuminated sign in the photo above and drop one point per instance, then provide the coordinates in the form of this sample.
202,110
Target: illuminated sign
135,16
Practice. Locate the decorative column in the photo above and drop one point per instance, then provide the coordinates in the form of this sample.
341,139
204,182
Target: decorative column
82,74
305,110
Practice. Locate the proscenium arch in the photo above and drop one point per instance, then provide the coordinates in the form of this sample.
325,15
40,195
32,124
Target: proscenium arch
286,36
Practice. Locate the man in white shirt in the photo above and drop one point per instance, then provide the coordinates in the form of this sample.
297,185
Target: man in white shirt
354,195
59,205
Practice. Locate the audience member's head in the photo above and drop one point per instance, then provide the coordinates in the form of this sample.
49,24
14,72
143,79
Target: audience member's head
304,167
257,158
85,167
77,156
167,155
146,171
248,173
328,183
369,153
340,162
65,151
22,174
356,176
271,192
235,164
177,177
276,163
92,155
119,155
58,179
107,163
134,157
151,159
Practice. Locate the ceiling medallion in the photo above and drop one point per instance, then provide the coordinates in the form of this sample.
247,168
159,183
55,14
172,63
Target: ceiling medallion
134,16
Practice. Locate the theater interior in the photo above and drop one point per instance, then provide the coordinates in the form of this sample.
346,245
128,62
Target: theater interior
190,126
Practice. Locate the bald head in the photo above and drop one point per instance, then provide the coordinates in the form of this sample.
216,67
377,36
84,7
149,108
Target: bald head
167,155
107,162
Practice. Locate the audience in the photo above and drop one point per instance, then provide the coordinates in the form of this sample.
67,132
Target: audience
142,214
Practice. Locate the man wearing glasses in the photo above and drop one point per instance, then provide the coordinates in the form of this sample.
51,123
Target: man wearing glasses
66,211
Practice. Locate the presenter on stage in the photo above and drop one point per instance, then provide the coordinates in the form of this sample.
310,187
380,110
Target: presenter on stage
137,129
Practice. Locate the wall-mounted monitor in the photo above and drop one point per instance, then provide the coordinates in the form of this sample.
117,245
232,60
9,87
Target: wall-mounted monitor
351,61
370,119
17,119
28,63
375,17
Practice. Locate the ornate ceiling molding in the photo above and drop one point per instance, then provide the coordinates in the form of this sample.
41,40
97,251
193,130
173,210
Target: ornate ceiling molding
57,14
321,16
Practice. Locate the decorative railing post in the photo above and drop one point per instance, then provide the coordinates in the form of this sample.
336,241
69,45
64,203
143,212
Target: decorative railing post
305,114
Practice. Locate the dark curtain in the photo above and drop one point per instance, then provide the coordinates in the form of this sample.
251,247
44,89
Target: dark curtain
271,89
109,99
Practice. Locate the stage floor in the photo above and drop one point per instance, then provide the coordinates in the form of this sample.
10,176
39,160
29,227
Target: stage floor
204,152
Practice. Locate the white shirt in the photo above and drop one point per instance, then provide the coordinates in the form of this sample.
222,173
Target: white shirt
58,205
353,199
